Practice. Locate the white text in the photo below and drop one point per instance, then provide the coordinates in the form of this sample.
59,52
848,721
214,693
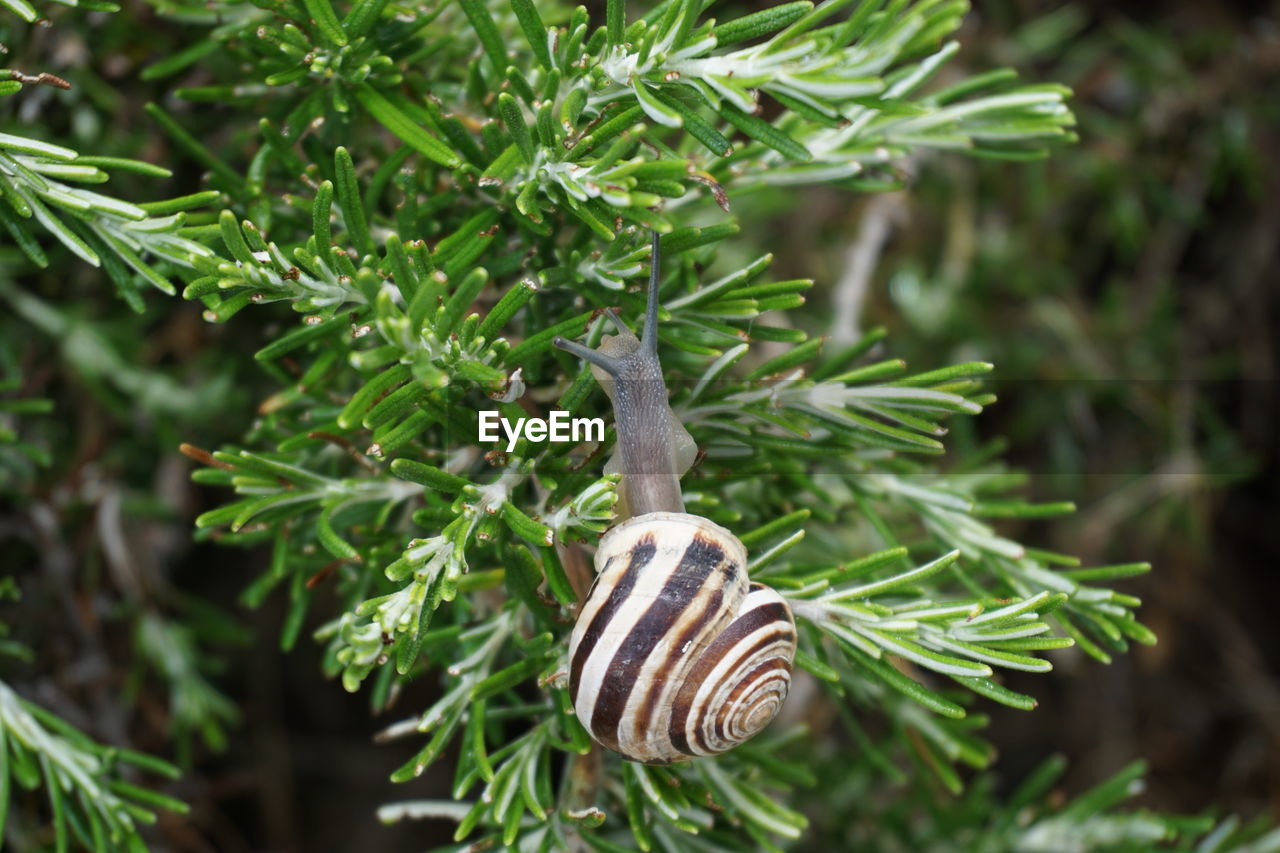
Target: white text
558,427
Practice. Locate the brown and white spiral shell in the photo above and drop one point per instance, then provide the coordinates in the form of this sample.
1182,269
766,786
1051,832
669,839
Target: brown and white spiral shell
676,654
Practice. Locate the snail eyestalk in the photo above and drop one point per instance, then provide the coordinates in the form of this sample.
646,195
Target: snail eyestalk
612,314
650,339
606,363
652,445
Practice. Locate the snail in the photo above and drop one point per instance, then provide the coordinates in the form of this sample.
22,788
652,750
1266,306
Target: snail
676,653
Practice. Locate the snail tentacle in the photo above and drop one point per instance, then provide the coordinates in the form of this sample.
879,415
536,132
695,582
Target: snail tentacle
650,334
607,363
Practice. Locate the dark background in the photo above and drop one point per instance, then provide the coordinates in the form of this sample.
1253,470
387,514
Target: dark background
1125,289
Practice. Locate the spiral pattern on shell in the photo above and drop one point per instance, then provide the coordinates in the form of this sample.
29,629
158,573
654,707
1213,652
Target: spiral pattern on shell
675,653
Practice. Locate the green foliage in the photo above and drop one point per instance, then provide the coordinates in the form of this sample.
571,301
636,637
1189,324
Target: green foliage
91,798
91,792
1105,260
1033,819
99,229
565,132
437,193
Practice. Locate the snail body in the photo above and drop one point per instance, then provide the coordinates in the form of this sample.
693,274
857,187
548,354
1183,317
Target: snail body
675,653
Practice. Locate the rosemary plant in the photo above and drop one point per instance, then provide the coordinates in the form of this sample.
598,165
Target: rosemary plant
437,191
91,800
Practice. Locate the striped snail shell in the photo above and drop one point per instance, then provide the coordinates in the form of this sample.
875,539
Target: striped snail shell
676,653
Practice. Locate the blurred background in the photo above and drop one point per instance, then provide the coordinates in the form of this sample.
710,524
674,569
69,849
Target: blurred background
1126,290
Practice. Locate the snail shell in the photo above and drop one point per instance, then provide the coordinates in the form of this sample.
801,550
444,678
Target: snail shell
676,654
